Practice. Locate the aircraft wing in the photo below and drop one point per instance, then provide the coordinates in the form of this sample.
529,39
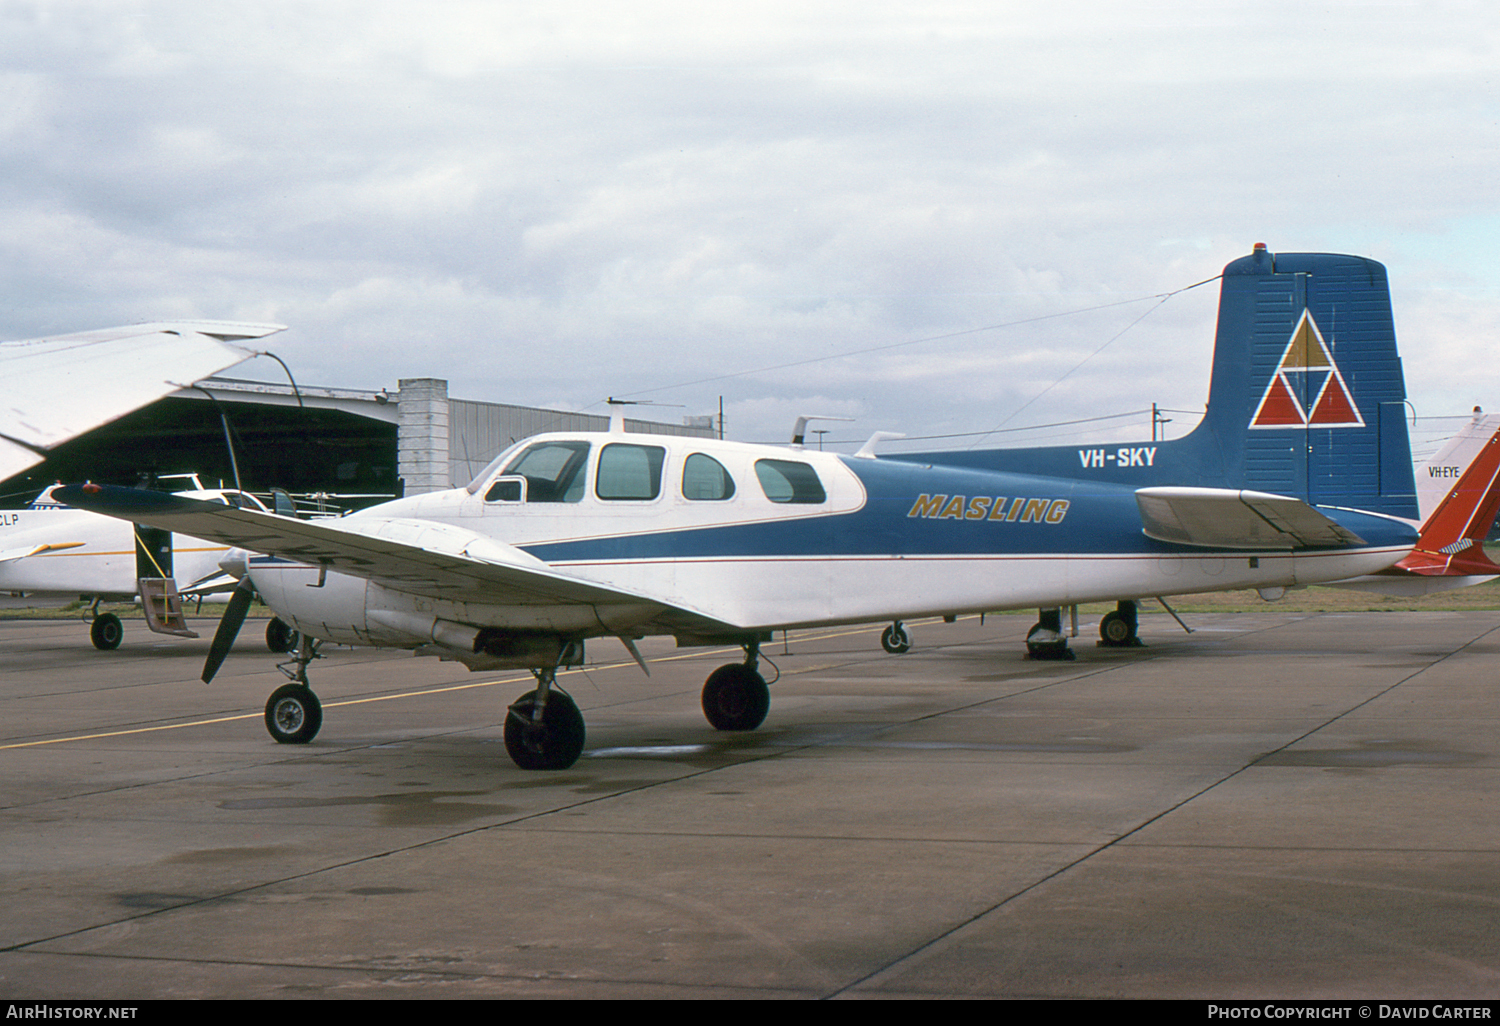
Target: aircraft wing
1231,518
57,388
417,556
10,555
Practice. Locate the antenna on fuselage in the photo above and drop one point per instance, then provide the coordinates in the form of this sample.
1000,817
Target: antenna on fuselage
799,433
867,451
617,417
617,413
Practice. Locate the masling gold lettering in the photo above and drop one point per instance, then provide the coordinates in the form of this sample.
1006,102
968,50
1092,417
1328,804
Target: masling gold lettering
999,508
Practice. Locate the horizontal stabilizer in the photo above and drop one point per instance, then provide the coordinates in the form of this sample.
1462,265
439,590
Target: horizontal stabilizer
1410,585
1228,518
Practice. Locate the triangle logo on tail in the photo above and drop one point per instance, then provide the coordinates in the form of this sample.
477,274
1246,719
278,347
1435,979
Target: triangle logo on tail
1307,389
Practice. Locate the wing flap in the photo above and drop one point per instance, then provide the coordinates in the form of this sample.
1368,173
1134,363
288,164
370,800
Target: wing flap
1231,518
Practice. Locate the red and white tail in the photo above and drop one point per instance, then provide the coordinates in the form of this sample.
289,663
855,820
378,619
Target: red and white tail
1452,539
1459,502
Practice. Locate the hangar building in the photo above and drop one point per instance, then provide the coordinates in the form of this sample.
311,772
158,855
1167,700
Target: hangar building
362,446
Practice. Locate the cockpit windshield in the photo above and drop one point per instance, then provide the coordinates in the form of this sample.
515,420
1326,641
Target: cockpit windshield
554,471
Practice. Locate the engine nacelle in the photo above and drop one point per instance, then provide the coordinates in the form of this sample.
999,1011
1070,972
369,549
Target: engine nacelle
320,604
353,611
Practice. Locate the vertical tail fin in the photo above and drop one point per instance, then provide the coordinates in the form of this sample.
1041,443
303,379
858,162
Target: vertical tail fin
1452,539
1307,396
1441,475
1306,399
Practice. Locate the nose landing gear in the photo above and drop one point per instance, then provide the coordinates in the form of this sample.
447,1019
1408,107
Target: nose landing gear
543,728
895,640
293,713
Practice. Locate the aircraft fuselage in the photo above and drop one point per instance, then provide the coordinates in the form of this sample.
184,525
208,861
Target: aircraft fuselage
864,539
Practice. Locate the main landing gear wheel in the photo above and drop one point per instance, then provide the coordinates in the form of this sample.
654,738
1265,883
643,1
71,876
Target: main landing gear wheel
735,697
293,714
895,640
1120,629
106,632
552,743
280,637
1046,639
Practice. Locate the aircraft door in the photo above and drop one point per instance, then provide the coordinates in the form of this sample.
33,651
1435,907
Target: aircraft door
153,552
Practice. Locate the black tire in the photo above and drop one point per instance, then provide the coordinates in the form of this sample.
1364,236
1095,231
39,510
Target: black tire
895,640
1114,629
1047,650
280,637
293,714
1056,650
555,743
106,632
735,697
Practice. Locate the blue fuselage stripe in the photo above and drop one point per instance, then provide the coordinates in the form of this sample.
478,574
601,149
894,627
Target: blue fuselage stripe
933,510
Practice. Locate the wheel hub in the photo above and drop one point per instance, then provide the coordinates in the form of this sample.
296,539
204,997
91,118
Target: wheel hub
290,715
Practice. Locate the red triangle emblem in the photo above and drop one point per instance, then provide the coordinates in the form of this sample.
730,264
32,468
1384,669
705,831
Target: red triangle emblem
1279,407
1334,407
1307,352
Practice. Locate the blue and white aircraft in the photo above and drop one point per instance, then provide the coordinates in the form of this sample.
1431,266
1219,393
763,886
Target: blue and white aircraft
1299,473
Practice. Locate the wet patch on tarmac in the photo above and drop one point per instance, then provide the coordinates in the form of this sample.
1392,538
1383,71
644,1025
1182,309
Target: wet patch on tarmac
419,808
220,856
1371,755
162,899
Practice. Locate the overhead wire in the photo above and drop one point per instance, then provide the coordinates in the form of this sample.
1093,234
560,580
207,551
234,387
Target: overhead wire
1161,296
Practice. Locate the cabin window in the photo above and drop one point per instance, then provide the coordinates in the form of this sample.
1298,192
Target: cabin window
786,481
705,479
553,471
629,472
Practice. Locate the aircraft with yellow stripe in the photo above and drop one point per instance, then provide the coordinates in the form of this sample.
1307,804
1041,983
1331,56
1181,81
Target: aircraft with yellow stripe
52,550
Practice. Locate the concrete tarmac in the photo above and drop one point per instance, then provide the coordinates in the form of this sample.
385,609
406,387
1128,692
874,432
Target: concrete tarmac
1281,805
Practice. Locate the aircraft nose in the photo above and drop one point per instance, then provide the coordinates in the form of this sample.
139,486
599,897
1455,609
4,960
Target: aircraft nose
236,563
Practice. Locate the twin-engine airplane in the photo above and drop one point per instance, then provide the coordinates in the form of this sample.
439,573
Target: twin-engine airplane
1300,472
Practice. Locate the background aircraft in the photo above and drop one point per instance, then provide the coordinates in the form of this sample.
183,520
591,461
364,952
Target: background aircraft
61,386
50,549
1450,552
1300,472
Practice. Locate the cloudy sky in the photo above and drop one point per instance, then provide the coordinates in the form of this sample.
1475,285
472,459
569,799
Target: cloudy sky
924,216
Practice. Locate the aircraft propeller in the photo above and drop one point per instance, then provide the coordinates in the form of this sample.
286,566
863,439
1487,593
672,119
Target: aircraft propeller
229,627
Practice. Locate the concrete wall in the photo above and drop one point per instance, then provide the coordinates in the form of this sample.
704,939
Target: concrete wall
422,435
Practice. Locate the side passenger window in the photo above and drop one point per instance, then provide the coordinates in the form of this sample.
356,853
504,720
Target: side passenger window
705,479
629,472
786,481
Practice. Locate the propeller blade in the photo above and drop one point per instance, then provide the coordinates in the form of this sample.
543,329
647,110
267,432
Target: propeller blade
229,627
